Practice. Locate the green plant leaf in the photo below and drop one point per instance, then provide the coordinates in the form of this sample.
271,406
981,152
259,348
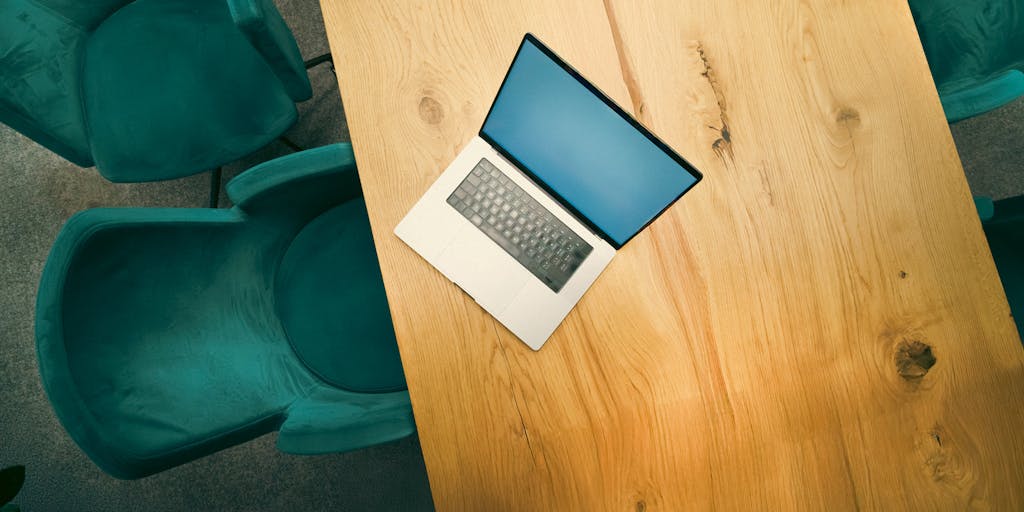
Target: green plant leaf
11,480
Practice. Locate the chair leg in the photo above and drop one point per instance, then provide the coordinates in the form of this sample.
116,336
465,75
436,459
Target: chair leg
320,59
214,187
291,145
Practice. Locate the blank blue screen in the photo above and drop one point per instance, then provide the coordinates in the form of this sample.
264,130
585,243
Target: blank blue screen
581,148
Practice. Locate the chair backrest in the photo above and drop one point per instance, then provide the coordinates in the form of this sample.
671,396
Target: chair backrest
975,49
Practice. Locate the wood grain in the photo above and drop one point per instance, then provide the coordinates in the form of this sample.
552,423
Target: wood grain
819,324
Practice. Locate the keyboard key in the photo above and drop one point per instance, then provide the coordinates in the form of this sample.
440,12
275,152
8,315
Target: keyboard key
502,241
519,224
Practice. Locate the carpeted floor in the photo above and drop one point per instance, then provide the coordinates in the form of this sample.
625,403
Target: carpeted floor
40,190
991,148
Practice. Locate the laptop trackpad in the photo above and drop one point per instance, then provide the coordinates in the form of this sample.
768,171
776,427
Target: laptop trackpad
483,269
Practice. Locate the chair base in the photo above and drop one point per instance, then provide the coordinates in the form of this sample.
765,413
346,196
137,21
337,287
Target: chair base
290,143
320,59
215,176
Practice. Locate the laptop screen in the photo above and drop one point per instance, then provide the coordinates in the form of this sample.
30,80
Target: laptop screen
582,149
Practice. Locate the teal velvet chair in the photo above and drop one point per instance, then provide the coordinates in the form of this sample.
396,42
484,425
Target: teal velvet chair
975,49
1003,222
166,334
148,89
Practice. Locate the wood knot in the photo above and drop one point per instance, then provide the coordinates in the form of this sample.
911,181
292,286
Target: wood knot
641,506
722,146
848,116
914,359
944,460
903,275
431,110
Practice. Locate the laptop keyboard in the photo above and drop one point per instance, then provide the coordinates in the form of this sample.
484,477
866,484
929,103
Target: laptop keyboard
520,225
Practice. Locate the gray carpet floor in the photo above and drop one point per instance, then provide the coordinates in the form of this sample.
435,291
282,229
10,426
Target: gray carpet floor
39,191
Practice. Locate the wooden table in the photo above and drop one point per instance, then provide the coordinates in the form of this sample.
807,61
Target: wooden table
818,325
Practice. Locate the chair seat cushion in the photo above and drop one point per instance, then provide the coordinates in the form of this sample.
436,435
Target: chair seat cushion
173,88
330,298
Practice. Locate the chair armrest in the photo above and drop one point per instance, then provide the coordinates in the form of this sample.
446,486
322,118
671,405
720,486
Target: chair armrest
1010,209
985,207
266,30
331,420
307,181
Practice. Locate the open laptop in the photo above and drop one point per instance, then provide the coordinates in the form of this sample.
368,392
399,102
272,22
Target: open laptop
534,207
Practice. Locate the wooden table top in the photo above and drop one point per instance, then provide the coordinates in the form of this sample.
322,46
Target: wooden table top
817,325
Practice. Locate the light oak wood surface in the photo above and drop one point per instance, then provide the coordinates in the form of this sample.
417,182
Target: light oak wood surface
817,325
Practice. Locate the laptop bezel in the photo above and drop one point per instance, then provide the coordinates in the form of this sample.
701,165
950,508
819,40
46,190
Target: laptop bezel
687,166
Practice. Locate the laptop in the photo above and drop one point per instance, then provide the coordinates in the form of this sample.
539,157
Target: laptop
535,206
